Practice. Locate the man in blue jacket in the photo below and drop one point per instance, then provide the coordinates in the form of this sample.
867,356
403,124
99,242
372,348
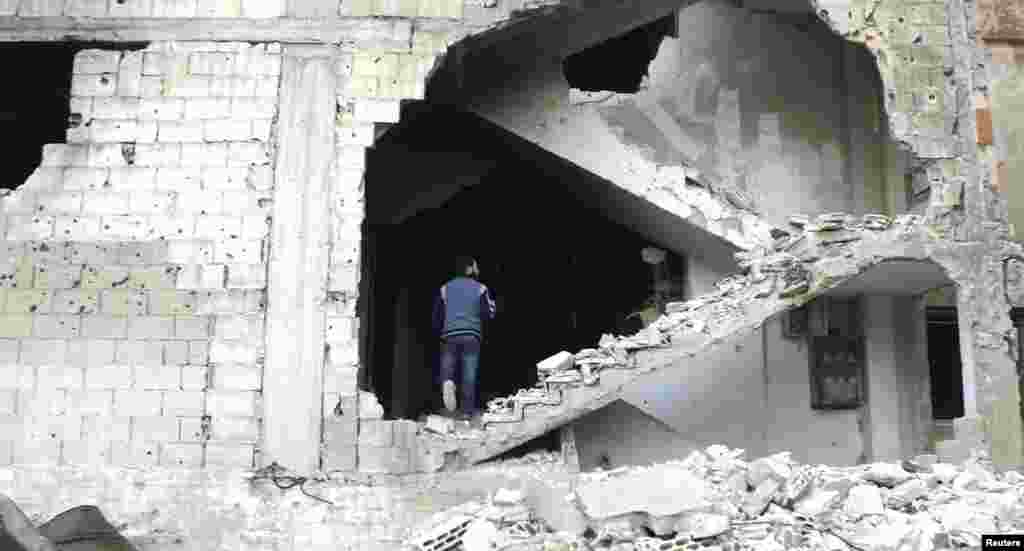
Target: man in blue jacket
461,308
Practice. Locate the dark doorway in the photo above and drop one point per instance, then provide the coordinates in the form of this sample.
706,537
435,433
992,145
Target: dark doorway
947,382
561,271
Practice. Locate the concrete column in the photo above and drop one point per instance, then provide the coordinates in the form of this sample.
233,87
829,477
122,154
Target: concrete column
991,383
297,286
883,380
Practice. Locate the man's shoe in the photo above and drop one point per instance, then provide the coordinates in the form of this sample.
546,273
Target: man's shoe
448,394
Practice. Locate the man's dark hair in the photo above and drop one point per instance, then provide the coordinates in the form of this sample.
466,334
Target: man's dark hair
463,263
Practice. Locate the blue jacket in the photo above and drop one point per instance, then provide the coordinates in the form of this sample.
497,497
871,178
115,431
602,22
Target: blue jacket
461,308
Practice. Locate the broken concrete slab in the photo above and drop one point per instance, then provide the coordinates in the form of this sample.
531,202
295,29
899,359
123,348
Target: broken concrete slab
559,362
660,491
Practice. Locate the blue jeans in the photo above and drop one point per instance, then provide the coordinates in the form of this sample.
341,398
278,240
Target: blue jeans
464,350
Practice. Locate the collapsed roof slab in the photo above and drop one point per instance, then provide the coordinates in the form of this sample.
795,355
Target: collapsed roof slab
800,269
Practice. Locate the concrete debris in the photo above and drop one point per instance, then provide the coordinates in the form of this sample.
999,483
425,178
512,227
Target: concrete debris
715,499
561,361
786,273
440,425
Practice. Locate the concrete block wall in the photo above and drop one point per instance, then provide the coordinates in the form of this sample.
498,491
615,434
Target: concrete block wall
371,87
133,266
247,9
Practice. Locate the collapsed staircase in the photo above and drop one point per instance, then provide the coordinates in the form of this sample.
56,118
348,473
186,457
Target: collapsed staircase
815,258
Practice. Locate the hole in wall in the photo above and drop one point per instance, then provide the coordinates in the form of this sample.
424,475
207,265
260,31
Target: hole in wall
36,110
618,64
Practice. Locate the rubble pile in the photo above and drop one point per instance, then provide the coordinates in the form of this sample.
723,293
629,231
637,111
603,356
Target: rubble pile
716,500
783,272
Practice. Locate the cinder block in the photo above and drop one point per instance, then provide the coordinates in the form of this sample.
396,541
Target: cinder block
107,155
8,402
169,228
237,251
124,228
253,108
230,455
232,87
339,457
104,327
137,353
218,228
145,253
179,131
56,326
227,130
245,203
45,179
194,376
340,432
150,327
107,428
102,202
159,155
151,87
229,352
379,111
43,402
155,429
199,352
60,376
352,158
183,403
204,154
15,325
99,254
202,276
125,302
255,227
227,377
189,252
129,72
247,153
28,301
260,9
9,351
77,228
161,109
384,460
84,452
234,429
174,8
249,328
43,352
375,432
91,402
13,376
29,228
224,178
36,451
176,353
197,109
105,276
154,277
52,277
94,85
76,302
228,403
116,108
109,377
192,430
137,402
267,87
55,427
199,203
212,63
65,155
135,454
233,301
173,303
152,202
340,330
93,61
187,87
91,352
157,377
180,180
181,454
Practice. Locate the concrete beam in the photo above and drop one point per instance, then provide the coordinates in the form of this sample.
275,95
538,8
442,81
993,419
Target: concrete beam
348,32
299,255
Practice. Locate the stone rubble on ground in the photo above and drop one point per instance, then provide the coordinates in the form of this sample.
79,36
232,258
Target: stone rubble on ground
715,500
784,271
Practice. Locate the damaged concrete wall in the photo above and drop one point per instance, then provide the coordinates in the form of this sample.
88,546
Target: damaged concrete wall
798,137
135,270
